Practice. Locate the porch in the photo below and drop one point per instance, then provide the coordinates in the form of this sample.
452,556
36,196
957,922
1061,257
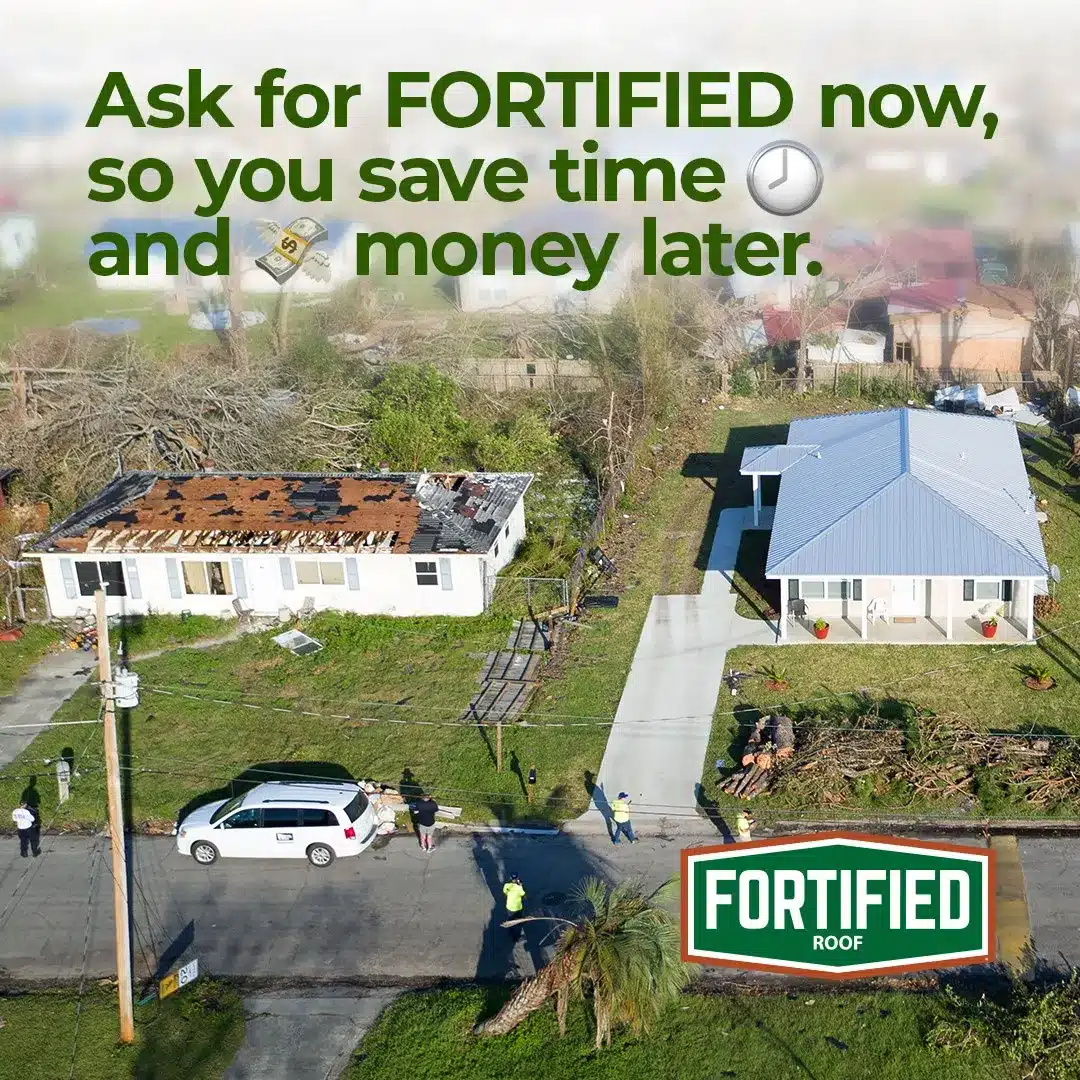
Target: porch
919,630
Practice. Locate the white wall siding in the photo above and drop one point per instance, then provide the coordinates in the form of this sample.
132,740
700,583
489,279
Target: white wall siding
372,585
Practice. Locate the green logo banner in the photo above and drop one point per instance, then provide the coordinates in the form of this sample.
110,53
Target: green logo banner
838,905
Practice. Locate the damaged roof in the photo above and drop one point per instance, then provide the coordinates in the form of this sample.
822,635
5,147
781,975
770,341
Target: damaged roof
347,513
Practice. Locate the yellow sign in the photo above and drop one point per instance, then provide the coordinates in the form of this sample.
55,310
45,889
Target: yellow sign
171,983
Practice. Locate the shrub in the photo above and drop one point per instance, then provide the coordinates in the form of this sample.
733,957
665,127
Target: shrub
743,383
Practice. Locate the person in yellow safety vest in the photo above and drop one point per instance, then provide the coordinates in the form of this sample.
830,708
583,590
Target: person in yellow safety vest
743,824
620,815
514,892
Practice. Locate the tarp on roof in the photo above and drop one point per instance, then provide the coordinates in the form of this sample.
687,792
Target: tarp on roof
908,492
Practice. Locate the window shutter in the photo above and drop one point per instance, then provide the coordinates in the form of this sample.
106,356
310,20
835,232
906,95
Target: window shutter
70,589
446,579
1006,589
969,588
134,585
793,588
352,574
286,573
856,589
239,578
172,572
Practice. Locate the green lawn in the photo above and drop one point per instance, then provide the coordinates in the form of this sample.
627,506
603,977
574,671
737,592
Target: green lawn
17,657
192,1035
980,687
782,1037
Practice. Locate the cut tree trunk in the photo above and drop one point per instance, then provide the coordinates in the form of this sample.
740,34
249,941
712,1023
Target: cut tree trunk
783,736
753,741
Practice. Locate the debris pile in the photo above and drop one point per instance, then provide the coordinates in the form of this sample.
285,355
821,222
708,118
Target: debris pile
771,740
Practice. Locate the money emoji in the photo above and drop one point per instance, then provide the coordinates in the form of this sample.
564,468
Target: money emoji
292,249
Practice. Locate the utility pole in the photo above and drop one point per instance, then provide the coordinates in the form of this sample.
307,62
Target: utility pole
121,913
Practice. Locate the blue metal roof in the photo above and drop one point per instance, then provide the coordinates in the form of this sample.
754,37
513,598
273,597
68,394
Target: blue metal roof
772,460
910,492
244,233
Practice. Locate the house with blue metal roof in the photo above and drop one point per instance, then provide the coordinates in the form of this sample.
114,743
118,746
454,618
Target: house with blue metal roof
902,516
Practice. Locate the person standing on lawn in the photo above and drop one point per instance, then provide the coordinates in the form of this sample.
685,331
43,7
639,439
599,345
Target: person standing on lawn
424,815
26,823
743,824
620,815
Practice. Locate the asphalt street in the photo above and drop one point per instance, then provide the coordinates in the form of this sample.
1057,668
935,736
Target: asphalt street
393,914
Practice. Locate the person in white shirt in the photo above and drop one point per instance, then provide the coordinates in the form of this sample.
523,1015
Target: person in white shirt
29,832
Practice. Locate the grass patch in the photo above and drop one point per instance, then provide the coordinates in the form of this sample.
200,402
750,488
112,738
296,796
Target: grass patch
149,633
192,1035
17,657
785,1037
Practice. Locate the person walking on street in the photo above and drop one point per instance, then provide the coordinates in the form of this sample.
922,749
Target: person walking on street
424,813
29,831
620,815
743,824
514,892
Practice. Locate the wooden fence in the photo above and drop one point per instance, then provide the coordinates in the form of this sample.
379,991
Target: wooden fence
829,376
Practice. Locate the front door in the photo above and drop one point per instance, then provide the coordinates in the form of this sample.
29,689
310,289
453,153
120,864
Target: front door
905,597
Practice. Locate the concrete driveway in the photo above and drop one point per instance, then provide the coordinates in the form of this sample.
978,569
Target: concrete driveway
662,726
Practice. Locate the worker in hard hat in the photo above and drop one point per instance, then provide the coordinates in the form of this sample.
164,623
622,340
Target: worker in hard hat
743,824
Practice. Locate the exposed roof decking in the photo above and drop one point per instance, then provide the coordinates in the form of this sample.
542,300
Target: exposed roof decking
906,492
293,512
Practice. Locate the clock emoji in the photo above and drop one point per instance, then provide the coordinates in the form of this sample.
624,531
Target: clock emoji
784,178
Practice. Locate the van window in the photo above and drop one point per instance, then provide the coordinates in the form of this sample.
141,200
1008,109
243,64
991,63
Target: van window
314,819
280,817
242,819
357,806
228,808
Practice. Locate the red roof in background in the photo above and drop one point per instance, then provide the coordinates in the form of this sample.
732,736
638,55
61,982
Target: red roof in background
8,200
947,295
938,254
782,325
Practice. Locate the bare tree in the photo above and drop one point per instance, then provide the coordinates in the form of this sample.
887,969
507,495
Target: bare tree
1055,324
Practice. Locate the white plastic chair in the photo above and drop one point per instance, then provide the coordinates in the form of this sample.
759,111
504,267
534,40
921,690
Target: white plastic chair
878,611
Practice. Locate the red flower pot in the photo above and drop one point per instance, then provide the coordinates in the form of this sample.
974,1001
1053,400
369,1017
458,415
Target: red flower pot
821,634
989,629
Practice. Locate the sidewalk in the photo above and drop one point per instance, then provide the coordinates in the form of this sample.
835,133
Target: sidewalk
661,731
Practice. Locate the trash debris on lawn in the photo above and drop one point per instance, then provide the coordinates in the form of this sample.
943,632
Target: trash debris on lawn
960,398
298,643
772,739
387,803
1008,406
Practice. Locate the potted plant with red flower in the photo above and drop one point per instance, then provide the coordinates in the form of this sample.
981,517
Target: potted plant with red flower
990,625
821,629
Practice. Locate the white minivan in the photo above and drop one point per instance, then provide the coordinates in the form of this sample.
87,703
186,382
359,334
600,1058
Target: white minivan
281,820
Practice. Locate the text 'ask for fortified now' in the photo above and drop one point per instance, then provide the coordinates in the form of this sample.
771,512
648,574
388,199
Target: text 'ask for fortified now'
838,905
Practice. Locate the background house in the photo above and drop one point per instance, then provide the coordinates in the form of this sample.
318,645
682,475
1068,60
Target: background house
962,326
370,543
906,516
18,240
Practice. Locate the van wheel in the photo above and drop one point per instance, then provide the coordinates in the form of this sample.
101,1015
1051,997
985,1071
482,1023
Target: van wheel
204,853
320,855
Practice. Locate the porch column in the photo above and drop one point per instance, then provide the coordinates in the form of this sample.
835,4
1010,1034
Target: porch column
950,584
783,601
757,499
865,608
1030,609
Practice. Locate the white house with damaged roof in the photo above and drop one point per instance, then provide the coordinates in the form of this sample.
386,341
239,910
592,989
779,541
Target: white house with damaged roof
901,525
219,544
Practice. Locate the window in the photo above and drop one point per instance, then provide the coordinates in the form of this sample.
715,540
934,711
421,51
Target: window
496,551
319,572
100,575
836,590
207,578
280,817
813,590
357,806
793,588
969,588
506,531
856,589
843,589
530,369
1006,590
317,819
903,352
987,590
426,574
242,819
228,808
